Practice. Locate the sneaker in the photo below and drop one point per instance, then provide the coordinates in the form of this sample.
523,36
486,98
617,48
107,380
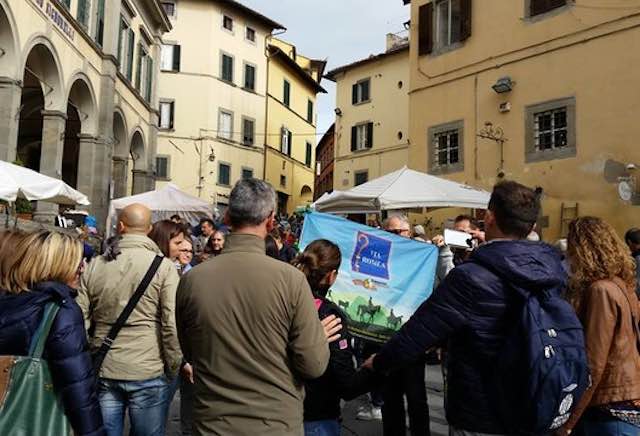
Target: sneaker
369,414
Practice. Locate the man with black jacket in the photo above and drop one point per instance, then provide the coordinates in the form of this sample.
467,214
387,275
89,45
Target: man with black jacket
473,310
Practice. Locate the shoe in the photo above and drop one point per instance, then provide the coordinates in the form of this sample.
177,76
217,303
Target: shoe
369,414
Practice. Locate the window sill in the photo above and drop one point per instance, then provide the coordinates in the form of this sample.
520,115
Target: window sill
222,185
548,155
230,83
170,71
163,179
167,129
362,150
449,169
446,49
252,91
360,103
251,42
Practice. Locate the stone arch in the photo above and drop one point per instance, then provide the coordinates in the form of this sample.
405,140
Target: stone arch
121,155
138,150
83,98
9,44
42,63
306,194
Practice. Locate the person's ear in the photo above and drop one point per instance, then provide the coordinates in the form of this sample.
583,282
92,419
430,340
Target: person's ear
120,227
333,276
271,222
149,229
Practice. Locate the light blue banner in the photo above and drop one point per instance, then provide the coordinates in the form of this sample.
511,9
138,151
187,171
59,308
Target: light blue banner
383,278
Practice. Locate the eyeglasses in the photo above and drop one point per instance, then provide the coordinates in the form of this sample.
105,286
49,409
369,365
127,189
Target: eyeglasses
398,231
186,251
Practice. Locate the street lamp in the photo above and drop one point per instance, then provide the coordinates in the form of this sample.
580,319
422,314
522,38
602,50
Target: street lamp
495,134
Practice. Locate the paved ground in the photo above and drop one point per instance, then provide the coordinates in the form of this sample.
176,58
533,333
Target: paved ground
353,427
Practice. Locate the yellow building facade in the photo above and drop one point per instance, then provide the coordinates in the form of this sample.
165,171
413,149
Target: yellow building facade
544,93
292,86
212,97
372,115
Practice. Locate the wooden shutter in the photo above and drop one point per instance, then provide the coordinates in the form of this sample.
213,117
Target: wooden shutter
120,42
354,94
425,29
354,138
369,142
172,110
100,25
131,39
465,19
290,139
149,72
139,69
176,58
366,88
282,131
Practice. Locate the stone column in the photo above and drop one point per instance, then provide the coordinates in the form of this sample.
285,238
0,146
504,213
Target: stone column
120,176
10,95
142,182
86,165
53,127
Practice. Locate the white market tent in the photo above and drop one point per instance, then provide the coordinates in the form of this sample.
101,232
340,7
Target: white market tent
403,189
17,181
163,203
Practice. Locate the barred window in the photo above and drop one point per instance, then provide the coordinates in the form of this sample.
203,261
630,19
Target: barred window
551,129
447,148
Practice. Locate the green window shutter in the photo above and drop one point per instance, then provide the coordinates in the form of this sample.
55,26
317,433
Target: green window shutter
308,155
149,89
354,138
310,111
425,29
139,68
176,58
132,42
354,94
120,42
83,9
369,142
287,93
290,143
99,37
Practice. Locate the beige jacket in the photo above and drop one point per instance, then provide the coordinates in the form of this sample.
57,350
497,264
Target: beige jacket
147,346
249,326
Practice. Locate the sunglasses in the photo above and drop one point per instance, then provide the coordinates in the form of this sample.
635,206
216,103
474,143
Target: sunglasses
398,231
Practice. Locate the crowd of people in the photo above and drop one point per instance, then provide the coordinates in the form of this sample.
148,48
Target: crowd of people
236,319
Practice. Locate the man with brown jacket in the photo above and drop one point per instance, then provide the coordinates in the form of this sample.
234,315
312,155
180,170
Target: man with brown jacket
248,325
146,352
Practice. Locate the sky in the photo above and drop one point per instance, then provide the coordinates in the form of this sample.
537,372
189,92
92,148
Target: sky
339,31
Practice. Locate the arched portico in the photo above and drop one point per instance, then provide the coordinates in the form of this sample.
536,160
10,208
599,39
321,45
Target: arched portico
10,91
140,163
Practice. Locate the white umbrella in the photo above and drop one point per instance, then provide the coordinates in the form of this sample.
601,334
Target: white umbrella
17,181
403,189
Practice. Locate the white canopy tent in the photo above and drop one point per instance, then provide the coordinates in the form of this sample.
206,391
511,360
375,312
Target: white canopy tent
17,181
163,203
403,189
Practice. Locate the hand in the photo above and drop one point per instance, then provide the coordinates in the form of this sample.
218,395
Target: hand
479,235
438,241
332,325
368,364
187,372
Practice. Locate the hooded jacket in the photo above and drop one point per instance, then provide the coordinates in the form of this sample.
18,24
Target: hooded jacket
470,311
66,349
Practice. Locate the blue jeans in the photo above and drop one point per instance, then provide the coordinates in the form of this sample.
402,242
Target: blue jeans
322,428
595,423
146,401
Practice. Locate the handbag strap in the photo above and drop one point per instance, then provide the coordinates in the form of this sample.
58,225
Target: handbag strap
42,333
122,319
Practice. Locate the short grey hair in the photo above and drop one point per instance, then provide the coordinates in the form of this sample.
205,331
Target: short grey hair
402,218
251,202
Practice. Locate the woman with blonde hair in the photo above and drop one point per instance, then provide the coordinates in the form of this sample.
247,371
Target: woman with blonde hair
602,289
41,268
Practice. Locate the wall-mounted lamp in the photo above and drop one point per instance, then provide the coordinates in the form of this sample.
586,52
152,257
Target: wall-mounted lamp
338,111
504,84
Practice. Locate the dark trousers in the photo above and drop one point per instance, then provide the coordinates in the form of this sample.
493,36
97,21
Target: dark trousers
409,382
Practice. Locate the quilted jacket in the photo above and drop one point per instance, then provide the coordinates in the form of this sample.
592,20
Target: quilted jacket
66,349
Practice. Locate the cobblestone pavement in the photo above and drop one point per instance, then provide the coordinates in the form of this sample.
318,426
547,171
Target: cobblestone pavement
351,426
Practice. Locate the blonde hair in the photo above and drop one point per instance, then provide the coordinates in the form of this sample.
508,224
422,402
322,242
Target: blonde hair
596,252
40,257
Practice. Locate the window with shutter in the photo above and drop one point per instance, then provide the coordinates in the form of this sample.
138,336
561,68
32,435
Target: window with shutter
247,173
227,23
250,77
361,177
361,91
446,147
166,57
250,34
308,155
369,138
227,68
362,136
122,43
176,57
225,124
286,98
309,111
290,141
162,167
169,9
248,131
224,174
139,67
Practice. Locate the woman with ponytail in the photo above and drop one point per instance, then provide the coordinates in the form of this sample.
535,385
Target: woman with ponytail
320,262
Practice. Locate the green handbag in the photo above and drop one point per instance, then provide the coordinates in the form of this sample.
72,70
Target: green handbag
29,405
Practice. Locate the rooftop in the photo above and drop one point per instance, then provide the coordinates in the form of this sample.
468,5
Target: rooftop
252,13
